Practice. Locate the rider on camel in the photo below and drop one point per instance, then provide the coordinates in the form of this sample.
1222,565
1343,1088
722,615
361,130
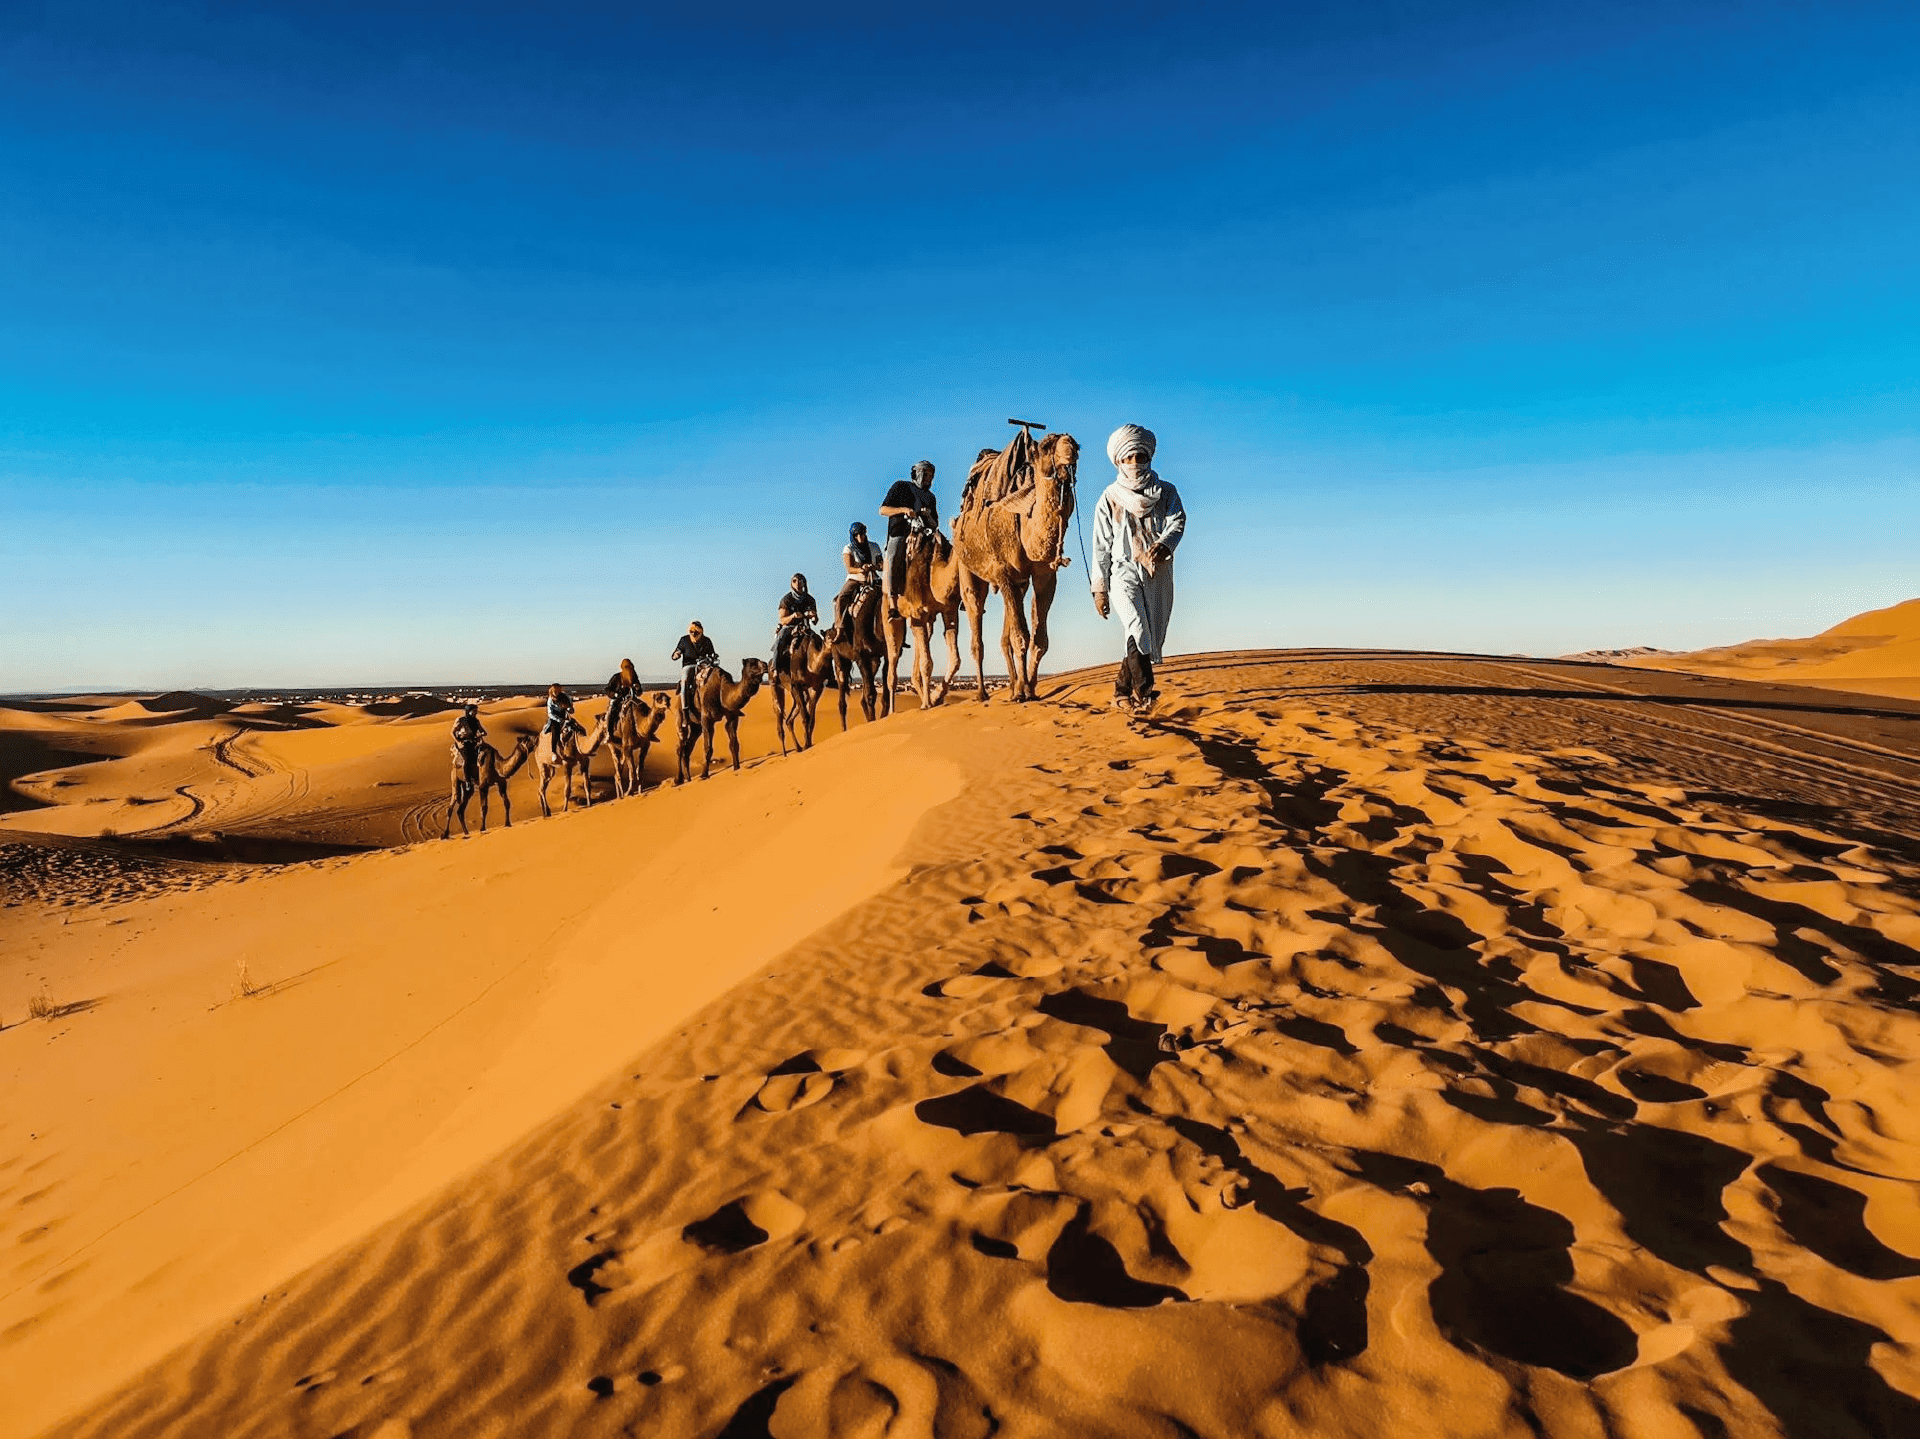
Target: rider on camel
468,732
861,556
910,505
621,690
693,650
559,714
798,609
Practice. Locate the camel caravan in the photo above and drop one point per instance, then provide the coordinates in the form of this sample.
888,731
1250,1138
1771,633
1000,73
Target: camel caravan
1009,536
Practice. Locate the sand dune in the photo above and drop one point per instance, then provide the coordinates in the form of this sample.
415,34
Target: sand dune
1369,1044
1873,653
270,779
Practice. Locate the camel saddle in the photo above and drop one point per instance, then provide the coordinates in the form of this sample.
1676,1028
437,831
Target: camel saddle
1000,475
544,753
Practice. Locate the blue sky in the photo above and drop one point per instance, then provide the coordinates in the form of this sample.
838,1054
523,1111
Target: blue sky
401,342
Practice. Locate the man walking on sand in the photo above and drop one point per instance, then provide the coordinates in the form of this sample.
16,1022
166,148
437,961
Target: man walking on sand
1137,525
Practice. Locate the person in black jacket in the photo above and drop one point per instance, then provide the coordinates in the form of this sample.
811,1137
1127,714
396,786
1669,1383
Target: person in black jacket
797,608
909,505
694,650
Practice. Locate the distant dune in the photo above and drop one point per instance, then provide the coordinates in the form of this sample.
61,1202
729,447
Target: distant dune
1367,1044
1877,652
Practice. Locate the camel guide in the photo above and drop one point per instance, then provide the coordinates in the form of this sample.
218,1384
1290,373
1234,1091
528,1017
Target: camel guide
1137,525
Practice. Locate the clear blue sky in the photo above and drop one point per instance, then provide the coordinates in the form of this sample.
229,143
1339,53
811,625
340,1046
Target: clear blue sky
403,342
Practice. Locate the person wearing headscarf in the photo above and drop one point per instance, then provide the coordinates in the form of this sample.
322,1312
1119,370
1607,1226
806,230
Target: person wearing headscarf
797,609
1137,525
468,732
861,557
622,689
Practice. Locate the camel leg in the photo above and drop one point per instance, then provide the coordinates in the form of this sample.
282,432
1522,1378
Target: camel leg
483,809
952,627
1044,581
842,677
870,689
545,777
452,800
812,701
706,765
896,641
973,595
923,662
1013,638
506,806
781,694
733,738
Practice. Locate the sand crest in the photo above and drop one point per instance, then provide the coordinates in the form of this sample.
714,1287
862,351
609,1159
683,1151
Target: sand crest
1877,652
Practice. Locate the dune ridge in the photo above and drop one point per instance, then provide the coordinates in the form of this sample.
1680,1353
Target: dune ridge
1370,1044
1875,652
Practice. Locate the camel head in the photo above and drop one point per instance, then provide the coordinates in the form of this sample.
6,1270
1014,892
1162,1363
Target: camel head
752,670
1055,473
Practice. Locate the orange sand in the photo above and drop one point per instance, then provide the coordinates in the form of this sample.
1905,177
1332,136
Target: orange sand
1369,1044
1873,653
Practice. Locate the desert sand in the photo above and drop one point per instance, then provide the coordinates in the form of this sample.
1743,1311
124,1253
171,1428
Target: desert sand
1877,653
1365,1044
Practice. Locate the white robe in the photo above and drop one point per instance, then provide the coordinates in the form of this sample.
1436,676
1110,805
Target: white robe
1142,600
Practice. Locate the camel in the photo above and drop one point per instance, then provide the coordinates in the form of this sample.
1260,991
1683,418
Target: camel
492,770
566,757
1011,533
804,671
932,591
717,700
631,739
860,641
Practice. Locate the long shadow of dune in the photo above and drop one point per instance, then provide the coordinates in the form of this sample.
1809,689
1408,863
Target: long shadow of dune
1333,1321
1083,1268
1813,1368
1132,1044
754,1418
1809,960
1666,1186
1830,1220
978,1110
1504,1265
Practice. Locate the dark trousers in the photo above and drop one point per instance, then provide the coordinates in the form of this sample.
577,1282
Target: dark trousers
1135,680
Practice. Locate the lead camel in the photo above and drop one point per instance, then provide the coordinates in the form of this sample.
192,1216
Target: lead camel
1011,535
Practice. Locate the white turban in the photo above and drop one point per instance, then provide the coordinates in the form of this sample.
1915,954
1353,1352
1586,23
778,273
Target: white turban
1128,440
